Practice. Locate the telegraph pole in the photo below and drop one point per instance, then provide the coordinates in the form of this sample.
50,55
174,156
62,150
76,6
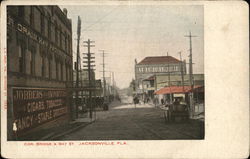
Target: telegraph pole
191,71
90,70
182,77
103,74
113,84
169,82
77,62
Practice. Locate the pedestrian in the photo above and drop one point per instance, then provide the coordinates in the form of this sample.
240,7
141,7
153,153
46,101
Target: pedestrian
155,101
147,99
162,101
135,100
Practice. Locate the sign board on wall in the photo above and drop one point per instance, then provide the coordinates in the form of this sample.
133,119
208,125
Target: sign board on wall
33,107
158,69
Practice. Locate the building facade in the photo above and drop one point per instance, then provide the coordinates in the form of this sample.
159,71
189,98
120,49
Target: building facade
39,62
162,81
156,65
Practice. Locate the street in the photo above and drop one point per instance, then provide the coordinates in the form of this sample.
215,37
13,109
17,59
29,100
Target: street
145,122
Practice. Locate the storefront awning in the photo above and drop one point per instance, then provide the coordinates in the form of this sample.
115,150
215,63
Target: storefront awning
175,89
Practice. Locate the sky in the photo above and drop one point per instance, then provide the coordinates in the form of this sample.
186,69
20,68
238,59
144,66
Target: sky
129,32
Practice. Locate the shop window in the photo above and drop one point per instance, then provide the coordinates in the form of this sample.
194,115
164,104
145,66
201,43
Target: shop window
21,60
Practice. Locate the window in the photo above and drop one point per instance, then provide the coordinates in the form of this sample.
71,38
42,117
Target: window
62,71
60,36
32,63
21,11
49,28
21,60
31,16
69,44
50,70
56,38
42,24
43,66
66,67
65,42
57,72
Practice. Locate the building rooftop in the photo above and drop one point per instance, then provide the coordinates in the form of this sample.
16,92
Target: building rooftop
158,60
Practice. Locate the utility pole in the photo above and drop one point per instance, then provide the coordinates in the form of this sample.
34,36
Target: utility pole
169,82
191,71
77,63
113,83
136,81
90,70
103,74
182,77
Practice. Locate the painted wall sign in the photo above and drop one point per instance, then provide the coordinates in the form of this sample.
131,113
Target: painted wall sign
34,107
157,69
31,34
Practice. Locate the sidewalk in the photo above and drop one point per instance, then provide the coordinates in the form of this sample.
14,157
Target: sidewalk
57,131
71,127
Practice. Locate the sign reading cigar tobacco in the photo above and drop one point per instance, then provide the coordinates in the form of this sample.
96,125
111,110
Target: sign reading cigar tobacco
34,107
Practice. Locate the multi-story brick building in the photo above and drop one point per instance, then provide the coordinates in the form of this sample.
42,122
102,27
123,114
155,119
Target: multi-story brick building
39,58
156,65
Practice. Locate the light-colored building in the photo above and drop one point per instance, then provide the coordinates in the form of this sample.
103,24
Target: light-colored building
156,65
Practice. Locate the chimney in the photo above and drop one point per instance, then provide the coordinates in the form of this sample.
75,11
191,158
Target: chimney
65,11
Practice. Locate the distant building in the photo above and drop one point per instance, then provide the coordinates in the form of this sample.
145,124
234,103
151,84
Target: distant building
176,80
156,65
83,78
39,57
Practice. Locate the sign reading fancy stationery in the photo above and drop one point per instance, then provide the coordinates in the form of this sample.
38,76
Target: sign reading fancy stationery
34,107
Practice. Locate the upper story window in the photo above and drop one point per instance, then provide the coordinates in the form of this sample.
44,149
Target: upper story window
42,24
43,66
49,28
57,70
50,70
67,76
69,44
65,42
21,11
21,59
32,16
56,34
60,36
32,62
61,71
